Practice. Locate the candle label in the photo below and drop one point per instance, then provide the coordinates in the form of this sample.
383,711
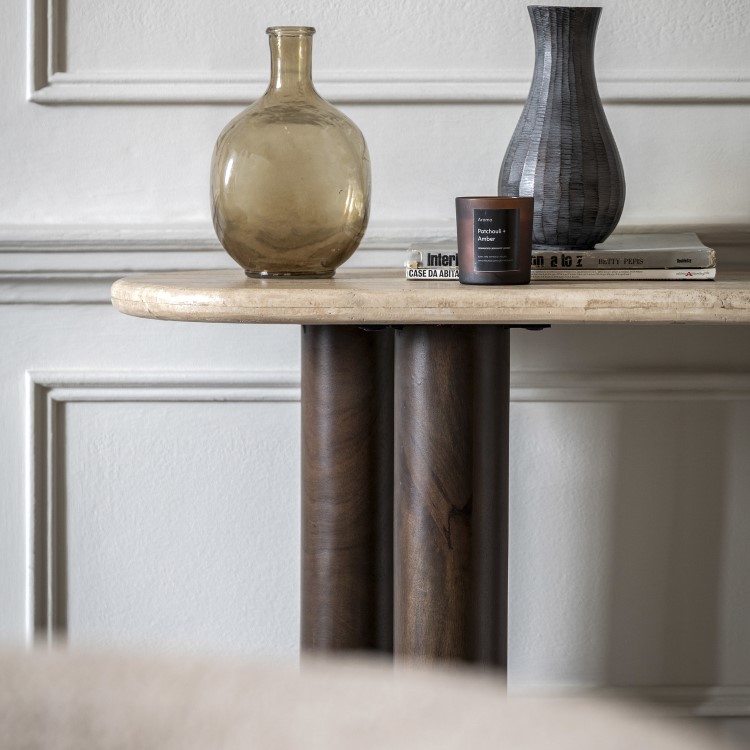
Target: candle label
496,239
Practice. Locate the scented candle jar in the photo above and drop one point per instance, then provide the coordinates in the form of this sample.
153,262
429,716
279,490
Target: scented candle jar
494,240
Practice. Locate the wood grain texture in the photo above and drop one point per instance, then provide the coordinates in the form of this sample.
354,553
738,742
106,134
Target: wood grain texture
450,493
347,489
384,296
562,152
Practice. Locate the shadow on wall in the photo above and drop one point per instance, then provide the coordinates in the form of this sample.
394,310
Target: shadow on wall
629,555
668,519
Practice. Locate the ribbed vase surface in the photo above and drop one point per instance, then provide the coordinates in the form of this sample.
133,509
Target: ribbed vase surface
562,152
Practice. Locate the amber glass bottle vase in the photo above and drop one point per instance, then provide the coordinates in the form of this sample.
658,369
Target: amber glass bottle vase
290,175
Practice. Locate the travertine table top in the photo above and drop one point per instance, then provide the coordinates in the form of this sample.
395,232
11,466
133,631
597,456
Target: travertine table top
385,297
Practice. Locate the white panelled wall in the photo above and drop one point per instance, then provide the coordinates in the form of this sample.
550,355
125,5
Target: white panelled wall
149,471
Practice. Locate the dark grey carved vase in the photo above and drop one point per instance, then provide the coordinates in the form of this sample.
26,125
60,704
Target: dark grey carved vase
562,152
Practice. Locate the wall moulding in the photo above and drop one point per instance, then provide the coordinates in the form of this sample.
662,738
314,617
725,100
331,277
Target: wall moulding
48,392
50,83
60,264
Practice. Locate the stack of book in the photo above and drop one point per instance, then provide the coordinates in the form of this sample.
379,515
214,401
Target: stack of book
623,256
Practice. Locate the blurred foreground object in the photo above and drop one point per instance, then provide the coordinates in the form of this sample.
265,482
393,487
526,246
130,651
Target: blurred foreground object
71,700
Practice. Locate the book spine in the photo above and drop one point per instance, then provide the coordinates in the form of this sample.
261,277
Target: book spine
445,273
432,273
623,259
603,274
588,259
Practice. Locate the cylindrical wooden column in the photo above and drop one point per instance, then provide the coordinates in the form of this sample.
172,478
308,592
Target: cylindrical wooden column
490,507
347,489
451,386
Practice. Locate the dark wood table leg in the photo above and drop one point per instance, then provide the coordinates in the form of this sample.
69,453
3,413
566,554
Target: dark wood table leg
347,489
451,501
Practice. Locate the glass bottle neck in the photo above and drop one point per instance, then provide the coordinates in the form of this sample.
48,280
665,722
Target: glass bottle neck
291,64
